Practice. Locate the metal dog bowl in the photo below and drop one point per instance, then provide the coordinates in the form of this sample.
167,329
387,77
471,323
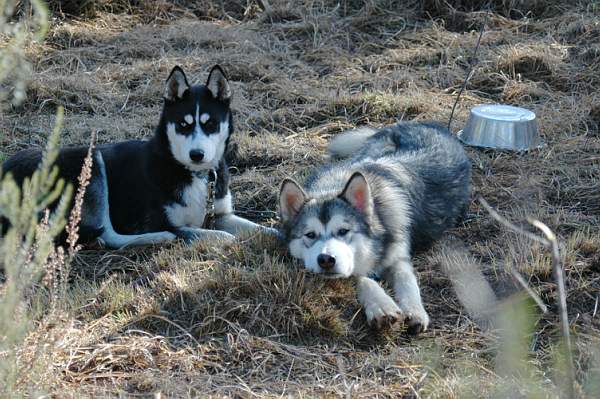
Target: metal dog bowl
501,127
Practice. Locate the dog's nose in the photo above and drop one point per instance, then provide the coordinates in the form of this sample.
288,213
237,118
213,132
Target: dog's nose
326,262
196,155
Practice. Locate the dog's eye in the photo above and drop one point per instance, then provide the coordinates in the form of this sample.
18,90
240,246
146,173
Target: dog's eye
343,232
310,235
210,126
183,124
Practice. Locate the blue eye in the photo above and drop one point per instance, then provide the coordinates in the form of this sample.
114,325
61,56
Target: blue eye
343,232
310,235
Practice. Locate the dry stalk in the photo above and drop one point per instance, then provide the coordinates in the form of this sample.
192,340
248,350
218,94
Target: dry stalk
551,243
559,276
61,261
473,63
517,276
84,180
510,225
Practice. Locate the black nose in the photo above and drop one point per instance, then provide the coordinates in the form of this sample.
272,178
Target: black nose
196,155
326,262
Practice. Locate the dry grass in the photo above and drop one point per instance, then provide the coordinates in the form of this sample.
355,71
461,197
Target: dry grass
245,320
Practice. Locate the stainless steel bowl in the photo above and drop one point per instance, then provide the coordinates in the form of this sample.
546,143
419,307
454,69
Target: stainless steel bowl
502,127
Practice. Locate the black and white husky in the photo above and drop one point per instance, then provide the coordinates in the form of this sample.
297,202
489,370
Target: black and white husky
146,192
403,187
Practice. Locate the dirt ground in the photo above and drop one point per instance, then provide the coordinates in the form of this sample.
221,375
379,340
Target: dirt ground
246,321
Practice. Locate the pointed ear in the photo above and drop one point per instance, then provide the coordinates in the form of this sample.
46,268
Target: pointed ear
358,194
218,85
291,199
176,85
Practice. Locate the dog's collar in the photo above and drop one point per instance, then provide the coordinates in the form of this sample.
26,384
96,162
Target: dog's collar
211,178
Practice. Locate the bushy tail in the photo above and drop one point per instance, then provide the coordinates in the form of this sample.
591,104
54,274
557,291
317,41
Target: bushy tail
347,143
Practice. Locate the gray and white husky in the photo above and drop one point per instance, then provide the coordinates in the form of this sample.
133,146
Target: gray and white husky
403,187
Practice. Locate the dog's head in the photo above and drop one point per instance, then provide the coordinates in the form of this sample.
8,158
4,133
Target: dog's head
331,235
196,119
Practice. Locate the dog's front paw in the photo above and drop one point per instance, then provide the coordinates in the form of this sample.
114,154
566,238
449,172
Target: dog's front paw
383,312
223,237
416,319
190,235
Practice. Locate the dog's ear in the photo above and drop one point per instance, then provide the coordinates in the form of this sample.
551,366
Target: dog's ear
218,85
358,194
291,199
176,85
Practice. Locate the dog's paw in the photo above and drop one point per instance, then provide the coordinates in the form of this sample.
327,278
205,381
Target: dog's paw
417,320
383,312
189,236
222,236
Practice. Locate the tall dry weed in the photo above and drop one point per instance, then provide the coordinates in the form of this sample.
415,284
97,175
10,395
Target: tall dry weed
35,270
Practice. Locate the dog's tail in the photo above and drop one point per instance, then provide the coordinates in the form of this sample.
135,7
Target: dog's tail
348,143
